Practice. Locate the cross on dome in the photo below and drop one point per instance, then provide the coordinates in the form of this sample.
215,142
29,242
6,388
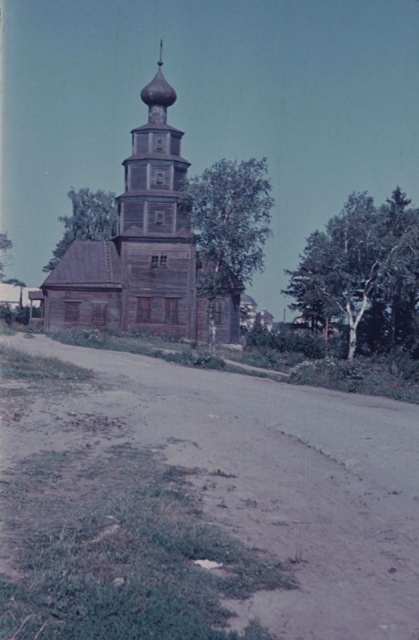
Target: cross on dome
159,92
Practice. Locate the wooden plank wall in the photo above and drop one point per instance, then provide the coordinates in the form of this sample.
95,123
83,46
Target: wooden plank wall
228,331
133,213
137,177
55,309
173,276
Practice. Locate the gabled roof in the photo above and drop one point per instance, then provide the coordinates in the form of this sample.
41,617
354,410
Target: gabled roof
87,262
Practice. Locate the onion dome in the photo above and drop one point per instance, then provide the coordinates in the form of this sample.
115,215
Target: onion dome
158,91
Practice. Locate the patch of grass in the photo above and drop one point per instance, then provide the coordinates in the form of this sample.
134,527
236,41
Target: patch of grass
6,330
143,343
380,376
231,368
174,350
272,360
107,553
15,364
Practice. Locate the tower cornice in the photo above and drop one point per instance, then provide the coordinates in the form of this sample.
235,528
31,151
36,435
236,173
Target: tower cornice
156,156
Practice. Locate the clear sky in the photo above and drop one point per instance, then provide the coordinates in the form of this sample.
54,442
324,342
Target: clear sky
327,90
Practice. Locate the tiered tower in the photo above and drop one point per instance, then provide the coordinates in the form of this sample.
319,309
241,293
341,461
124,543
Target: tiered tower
155,172
155,240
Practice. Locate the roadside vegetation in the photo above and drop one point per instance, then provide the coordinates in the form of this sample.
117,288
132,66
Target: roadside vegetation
309,360
301,354
166,347
17,365
105,543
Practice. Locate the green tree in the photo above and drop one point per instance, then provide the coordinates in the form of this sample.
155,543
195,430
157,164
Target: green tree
341,268
308,283
94,217
5,258
400,274
231,214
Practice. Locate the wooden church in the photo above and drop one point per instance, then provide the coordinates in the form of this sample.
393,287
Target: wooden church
145,277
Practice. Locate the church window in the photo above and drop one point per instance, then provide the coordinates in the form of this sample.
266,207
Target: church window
159,219
144,309
218,314
159,144
160,178
171,310
156,260
71,311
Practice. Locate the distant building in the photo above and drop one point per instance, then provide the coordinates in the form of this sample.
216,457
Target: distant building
145,277
265,319
249,315
10,294
248,312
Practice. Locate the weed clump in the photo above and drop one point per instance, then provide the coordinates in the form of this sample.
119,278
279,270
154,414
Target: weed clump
209,361
81,337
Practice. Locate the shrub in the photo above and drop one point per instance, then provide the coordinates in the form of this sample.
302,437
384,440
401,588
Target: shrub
287,341
259,337
10,315
401,363
270,359
373,376
305,342
337,346
6,313
209,361
82,337
21,315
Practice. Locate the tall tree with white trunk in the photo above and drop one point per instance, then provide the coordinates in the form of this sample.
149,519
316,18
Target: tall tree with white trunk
341,268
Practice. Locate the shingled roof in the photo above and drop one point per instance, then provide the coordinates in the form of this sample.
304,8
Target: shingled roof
87,263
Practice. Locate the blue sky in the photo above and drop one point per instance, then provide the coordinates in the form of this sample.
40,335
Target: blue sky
327,90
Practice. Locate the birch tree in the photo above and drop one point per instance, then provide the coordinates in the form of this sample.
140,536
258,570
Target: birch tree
341,268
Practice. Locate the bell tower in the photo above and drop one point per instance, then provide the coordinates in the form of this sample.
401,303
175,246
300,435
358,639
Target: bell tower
155,240
153,201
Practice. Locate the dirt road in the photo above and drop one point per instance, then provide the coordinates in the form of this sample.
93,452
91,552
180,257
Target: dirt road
327,479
